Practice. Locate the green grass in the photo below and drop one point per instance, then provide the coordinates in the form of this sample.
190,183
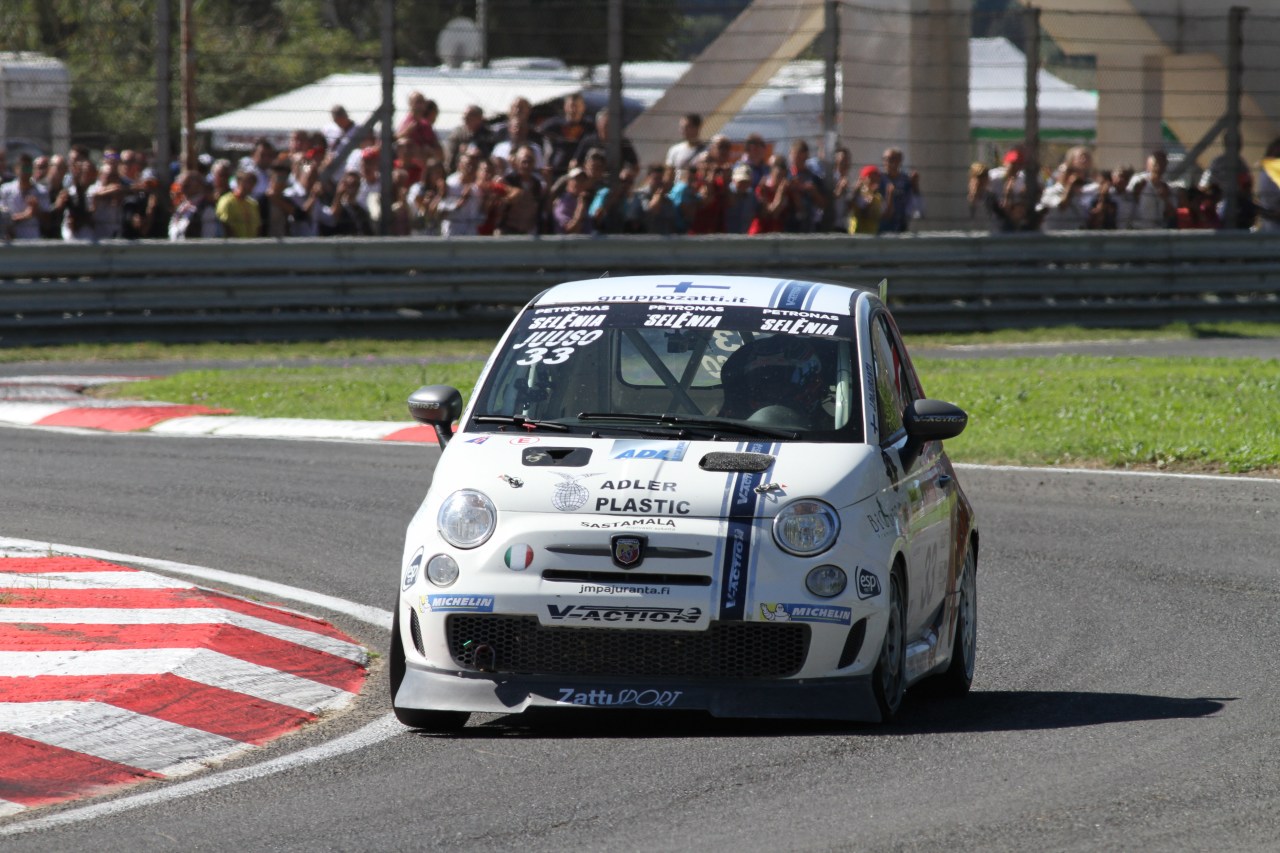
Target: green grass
352,349
1184,414
367,393
1073,334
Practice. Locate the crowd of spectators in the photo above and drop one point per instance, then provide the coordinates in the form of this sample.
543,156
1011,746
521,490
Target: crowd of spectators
516,176
1077,195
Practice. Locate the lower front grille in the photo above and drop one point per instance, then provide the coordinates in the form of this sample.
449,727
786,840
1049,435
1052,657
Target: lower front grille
519,645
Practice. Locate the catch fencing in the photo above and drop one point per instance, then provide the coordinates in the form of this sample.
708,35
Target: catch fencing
54,293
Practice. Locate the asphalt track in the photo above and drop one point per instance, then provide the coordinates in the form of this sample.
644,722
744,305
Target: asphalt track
1125,696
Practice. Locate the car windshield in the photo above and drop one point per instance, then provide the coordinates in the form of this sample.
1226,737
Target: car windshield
723,371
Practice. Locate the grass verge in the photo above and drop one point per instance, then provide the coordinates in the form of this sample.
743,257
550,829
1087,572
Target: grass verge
1184,414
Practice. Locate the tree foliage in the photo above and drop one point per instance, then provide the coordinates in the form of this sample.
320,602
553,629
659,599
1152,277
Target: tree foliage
248,50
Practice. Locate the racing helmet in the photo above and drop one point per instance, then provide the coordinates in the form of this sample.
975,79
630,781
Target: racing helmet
777,371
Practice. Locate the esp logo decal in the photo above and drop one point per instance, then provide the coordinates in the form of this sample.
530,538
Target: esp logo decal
868,584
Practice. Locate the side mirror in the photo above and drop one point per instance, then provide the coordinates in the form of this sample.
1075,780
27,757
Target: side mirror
930,420
437,406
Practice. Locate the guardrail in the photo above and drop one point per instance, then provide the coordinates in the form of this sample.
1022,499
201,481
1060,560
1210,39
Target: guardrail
413,287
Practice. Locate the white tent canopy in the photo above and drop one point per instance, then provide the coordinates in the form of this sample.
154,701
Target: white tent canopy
998,90
453,90
788,107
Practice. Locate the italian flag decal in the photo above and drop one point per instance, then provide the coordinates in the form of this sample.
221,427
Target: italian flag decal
518,557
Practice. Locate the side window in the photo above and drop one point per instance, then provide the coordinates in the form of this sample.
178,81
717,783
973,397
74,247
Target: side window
893,386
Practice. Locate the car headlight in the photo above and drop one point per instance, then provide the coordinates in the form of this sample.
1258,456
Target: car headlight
806,527
467,518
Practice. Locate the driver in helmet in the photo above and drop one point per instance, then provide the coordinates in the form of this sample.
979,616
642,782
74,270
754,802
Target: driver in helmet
776,381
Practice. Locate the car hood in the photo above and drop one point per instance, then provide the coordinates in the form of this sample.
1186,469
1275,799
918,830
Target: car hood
642,477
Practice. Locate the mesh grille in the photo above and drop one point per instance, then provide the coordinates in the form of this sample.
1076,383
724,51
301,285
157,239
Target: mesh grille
415,631
726,650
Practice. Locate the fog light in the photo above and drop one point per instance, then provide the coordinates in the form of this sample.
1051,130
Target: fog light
442,570
826,581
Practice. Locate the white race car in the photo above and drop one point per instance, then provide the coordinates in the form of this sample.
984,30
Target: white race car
701,492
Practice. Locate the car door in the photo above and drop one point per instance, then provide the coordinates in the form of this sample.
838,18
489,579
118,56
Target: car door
923,504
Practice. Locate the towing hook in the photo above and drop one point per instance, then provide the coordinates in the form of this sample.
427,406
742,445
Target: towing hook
486,659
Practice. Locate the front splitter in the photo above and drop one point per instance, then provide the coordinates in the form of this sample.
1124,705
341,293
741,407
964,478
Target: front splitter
850,699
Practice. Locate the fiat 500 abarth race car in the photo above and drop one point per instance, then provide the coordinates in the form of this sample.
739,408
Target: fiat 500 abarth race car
700,492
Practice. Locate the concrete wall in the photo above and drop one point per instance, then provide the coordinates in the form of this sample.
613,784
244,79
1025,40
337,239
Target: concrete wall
906,85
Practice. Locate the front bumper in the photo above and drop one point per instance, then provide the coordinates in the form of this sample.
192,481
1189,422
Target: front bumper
847,698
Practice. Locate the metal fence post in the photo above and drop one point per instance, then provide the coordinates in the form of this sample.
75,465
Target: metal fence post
1231,140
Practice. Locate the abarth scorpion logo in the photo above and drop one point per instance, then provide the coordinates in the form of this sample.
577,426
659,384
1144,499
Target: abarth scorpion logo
627,551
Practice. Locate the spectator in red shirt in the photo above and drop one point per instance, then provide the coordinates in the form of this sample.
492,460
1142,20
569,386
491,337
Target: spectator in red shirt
774,195
418,128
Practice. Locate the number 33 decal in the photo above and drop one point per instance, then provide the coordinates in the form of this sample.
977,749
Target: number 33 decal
535,355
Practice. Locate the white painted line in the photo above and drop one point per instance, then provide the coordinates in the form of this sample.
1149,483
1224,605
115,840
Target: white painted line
119,735
245,427
88,580
10,808
375,616
27,414
70,380
379,730
1118,472
201,665
182,616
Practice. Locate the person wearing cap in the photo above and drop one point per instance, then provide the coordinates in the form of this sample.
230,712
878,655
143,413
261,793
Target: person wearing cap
755,157
370,174
277,208
1010,209
571,209
741,203
867,204
237,211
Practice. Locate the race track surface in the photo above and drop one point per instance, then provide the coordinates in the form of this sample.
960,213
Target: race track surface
1125,697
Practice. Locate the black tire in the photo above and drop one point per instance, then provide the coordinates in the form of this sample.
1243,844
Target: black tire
441,722
889,679
958,677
